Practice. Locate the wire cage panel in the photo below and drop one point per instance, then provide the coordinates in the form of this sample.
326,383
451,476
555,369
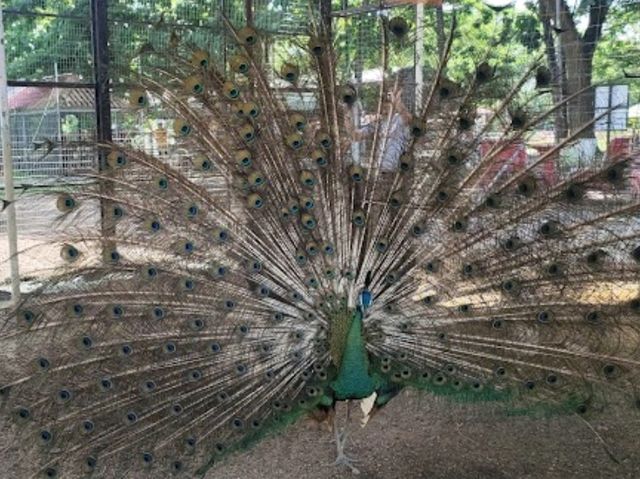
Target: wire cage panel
50,41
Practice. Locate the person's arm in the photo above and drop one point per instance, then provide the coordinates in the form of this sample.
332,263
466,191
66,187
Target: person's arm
357,134
399,106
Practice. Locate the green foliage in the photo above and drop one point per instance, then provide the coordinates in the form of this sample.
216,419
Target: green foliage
619,49
34,43
511,38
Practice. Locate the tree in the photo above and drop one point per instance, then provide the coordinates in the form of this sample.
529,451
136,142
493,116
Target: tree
619,49
574,60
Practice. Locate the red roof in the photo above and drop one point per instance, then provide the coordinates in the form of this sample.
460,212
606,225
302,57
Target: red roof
42,98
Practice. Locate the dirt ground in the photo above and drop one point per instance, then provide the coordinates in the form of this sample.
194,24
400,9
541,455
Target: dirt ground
421,437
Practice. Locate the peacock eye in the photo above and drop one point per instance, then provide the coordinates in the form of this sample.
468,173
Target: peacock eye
44,363
64,395
106,384
88,426
91,462
544,317
23,413
237,423
46,436
197,324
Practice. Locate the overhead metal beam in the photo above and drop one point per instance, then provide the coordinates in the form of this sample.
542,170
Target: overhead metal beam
49,84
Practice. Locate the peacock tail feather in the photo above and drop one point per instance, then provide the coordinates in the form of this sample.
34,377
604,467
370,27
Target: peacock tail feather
344,265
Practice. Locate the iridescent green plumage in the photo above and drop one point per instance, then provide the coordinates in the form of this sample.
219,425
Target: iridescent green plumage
354,380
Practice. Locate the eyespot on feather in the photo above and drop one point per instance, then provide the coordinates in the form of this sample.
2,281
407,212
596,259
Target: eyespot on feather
290,72
200,58
399,27
116,159
239,64
138,98
484,72
247,133
230,90
69,253
194,84
65,203
247,36
297,121
181,128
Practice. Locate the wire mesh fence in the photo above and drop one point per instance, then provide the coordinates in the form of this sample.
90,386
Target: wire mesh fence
53,112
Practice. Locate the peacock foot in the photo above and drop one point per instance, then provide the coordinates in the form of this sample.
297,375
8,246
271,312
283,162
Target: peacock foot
344,460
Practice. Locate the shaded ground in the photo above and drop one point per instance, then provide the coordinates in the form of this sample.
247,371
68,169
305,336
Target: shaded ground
418,436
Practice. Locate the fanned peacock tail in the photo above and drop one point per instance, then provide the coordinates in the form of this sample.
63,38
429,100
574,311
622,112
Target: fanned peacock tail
194,327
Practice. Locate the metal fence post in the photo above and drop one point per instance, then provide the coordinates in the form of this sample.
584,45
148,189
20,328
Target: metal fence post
419,57
99,42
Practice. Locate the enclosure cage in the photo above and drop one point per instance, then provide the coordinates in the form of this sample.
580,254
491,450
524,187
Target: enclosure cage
69,67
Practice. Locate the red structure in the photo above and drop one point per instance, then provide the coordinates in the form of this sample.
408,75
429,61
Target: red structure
511,158
549,166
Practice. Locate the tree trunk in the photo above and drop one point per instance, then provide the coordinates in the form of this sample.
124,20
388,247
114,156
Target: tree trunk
440,30
577,54
561,129
578,70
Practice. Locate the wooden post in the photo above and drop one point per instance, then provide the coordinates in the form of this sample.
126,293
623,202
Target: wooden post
7,163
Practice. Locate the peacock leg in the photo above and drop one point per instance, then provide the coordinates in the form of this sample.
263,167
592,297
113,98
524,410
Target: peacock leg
341,439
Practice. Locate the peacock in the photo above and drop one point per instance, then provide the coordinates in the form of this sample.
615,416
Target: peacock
351,257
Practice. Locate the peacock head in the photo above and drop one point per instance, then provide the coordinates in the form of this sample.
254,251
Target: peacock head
365,298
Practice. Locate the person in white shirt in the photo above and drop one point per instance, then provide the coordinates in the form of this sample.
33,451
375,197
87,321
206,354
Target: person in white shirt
393,133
